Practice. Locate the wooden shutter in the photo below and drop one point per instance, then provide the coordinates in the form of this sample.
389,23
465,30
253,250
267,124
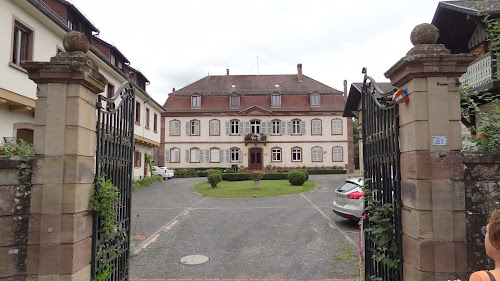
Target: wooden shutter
303,128
283,127
221,155
228,127
247,127
269,127
167,155
197,127
228,155
187,128
239,156
201,158
263,127
187,155
289,127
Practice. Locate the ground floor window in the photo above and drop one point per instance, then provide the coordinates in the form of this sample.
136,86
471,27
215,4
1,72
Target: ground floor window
137,159
317,154
337,154
235,155
296,154
214,155
276,154
194,155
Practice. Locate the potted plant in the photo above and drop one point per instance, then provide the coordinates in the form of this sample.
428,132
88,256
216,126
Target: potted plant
257,175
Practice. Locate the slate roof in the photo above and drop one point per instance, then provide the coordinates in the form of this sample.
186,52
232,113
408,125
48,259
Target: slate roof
255,90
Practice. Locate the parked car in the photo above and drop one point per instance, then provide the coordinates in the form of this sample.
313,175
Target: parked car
163,171
348,199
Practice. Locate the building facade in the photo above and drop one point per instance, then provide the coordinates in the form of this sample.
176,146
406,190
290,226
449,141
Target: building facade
256,122
34,30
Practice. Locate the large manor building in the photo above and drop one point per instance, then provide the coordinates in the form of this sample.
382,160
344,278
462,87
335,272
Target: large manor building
256,121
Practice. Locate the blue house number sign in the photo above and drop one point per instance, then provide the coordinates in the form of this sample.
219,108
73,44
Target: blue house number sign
439,140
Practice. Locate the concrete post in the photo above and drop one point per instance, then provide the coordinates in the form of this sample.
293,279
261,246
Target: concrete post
432,175
60,231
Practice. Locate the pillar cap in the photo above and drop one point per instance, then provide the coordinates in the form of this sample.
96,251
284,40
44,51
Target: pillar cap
424,33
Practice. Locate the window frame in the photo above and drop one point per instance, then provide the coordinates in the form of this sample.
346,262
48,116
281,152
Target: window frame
137,159
341,154
320,127
147,119
237,152
320,154
155,122
237,126
234,98
275,100
258,126
341,127
278,126
279,151
138,112
191,150
210,133
218,155
179,158
299,149
195,101
29,33
178,128
299,129
315,100
191,127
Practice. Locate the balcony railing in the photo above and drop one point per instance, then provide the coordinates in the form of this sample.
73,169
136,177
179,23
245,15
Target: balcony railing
255,138
478,73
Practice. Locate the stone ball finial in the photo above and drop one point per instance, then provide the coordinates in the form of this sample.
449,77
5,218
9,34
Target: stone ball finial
76,41
424,33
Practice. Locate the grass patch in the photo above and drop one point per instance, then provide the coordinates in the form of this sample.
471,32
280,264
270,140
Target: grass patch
237,189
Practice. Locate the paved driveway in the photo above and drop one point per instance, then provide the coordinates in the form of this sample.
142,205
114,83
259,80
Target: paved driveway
283,237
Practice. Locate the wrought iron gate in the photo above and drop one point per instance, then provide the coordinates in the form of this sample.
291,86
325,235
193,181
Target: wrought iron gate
381,160
114,156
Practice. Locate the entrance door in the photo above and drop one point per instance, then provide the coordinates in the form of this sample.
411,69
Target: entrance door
255,159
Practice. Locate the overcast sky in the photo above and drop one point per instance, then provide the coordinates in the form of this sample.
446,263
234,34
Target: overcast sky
175,43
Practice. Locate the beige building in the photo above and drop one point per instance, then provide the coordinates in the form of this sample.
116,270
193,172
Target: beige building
33,30
254,122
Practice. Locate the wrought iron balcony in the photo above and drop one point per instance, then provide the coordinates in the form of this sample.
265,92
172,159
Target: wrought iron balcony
255,138
478,73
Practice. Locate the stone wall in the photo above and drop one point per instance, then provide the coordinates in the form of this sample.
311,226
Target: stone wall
482,195
14,218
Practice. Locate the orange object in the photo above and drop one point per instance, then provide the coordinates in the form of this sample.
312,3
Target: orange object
401,96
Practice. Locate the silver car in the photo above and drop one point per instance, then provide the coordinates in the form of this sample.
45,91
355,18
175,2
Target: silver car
348,199
163,171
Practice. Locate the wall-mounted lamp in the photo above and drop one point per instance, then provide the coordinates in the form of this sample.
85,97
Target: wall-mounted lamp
8,139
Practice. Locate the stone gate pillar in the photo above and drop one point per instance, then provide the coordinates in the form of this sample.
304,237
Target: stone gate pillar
60,242
433,216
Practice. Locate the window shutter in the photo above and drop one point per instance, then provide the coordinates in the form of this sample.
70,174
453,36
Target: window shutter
177,128
221,155
269,127
239,156
187,155
175,157
207,154
227,127
289,127
187,128
283,127
247,127
171,127
228,156
197,127
167,155
263,127
303,128
202,159
240,127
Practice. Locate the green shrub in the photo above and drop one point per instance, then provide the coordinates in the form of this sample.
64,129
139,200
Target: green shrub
305,173
104,202
138,184
275,176
297,177
214,179
326,171
236,177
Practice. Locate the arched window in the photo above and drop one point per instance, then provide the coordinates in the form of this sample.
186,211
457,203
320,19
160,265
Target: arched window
215,155
214,127
194,155
235,155
172,155
296,154
317,154
276,154
337,126
316,127
337,154
175,128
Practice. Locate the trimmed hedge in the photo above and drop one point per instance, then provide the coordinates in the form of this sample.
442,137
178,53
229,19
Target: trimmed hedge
325,172
232,176
275,176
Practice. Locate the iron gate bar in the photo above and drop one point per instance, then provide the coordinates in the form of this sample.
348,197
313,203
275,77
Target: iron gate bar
114,157
381,159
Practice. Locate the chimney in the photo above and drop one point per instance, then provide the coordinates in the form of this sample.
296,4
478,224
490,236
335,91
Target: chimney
299,72
345,88
227,71
173,90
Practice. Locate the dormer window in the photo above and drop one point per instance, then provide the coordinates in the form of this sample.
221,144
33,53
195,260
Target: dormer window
234,101
275,100
195,101
315,99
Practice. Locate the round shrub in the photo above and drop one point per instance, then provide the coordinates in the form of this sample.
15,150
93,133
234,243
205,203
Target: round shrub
214,179
305,172
296,177
215,171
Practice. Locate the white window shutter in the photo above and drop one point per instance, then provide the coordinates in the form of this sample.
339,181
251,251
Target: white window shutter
216,127
197,127
240,127
228,127
207,154
201,158
228,156
303,128
240,156
269,127
187,128
283,128
167,155
187,155
247,127
171,127
289,127
263,127
221,155
177,126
